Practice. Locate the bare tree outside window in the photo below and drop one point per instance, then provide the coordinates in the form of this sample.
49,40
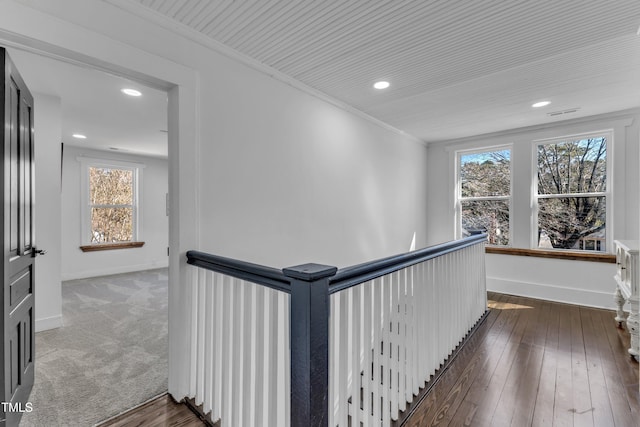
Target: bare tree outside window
485,192
571,198
111,198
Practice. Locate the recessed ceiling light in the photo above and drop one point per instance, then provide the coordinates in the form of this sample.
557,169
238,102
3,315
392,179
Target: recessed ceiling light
131,92
381,85
79,136
541,104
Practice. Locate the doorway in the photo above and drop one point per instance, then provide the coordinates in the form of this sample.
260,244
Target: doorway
84,47
97,282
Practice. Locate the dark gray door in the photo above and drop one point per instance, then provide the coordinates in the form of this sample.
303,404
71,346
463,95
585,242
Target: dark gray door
18,269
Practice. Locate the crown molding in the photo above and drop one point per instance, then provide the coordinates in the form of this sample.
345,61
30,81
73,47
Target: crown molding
195,36
623,117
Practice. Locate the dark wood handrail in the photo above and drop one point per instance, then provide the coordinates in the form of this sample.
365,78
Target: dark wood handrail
309,287
352,276
344,278
266,276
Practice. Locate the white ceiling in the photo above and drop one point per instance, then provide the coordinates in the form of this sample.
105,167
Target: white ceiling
457,68
93,105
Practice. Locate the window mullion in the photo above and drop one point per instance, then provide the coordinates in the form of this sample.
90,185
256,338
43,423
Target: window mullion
570,195
111,206
482,198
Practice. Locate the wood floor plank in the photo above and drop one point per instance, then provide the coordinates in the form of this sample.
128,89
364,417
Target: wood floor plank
602,412
526,396
618,378
563,400
494,389
460,388
522,345
582,407
492,352
160,412
431,410
545,396
549,365
481,400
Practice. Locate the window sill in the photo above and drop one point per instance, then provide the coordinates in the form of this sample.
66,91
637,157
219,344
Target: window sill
111,246
540,253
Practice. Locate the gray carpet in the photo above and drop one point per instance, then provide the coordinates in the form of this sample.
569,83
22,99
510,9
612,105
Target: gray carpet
110,355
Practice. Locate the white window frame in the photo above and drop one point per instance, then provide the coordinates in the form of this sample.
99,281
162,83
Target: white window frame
608,134
85,205
459,199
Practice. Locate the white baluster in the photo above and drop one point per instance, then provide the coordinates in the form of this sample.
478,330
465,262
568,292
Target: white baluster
402,338
366,348
192,290
209,356
200,339
343,355
376,388
356,350
272,370
284,362
334,313
386,347
218,308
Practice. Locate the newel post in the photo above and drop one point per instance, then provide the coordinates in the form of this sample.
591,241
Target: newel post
309,343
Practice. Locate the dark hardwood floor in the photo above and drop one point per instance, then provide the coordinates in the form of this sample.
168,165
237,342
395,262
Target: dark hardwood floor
160,412
538,363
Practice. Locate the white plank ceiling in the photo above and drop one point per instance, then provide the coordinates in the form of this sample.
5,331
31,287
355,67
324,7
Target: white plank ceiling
456,68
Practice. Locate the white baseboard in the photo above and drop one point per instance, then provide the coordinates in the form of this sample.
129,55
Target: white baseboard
47,323
584,297
112,270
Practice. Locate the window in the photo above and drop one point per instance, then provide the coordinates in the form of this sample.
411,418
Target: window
110,210
571,193
484,194
111,204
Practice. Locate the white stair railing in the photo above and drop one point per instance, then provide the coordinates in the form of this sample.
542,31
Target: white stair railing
240,350
312,345
389,335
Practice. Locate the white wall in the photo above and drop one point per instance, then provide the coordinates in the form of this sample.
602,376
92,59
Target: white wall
258,169
26,28
48,133
578,282
290,179
154,229
285,177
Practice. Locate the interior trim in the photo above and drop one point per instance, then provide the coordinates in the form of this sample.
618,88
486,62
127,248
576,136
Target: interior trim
111,246
541,253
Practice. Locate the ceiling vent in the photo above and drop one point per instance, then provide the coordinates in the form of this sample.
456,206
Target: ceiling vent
561,112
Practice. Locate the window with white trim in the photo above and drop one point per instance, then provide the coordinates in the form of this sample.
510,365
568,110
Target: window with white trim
484,194
571,193
110,210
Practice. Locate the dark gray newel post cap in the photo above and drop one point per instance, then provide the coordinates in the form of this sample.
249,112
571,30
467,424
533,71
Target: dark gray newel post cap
310,272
